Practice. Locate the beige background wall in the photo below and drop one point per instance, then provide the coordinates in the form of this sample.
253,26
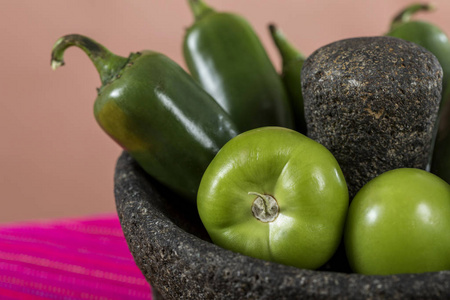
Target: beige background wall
54,159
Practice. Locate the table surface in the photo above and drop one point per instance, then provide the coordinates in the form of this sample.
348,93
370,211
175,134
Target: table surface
76,258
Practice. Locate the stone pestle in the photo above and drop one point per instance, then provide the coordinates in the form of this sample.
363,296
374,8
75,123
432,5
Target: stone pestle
373,102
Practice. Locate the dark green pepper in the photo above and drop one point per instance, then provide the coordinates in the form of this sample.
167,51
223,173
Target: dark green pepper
441,156
436,41
157,112
426,35
292,63
225,55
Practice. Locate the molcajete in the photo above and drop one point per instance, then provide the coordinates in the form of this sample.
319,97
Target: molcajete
373,102
171,247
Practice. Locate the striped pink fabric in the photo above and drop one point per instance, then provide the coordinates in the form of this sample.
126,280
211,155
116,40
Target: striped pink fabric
83,258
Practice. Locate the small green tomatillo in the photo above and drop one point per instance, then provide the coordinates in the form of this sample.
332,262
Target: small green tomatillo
399,223
274,194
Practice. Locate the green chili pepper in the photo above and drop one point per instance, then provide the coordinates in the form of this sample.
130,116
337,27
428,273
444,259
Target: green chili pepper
292,63
440,164
158,113
225,55
426,35
436,41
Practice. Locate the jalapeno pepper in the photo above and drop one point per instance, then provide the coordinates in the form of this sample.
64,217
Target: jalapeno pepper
158,113
424,34
440,164
436,41
225,55
292,63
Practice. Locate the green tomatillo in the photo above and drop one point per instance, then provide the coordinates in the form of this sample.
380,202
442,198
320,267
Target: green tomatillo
399,222
275,194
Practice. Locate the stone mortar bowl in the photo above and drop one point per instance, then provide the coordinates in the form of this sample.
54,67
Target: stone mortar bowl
173,251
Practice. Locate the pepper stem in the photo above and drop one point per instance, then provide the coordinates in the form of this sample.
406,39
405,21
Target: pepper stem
287,51
406,14
106,63
200,9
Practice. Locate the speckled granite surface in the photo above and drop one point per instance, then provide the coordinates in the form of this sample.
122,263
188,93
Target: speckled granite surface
172,250
373,103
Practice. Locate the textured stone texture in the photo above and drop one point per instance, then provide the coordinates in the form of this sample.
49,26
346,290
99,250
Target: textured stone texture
172,249
373,103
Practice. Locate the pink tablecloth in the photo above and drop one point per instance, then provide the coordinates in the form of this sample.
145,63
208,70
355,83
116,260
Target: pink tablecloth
80,258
